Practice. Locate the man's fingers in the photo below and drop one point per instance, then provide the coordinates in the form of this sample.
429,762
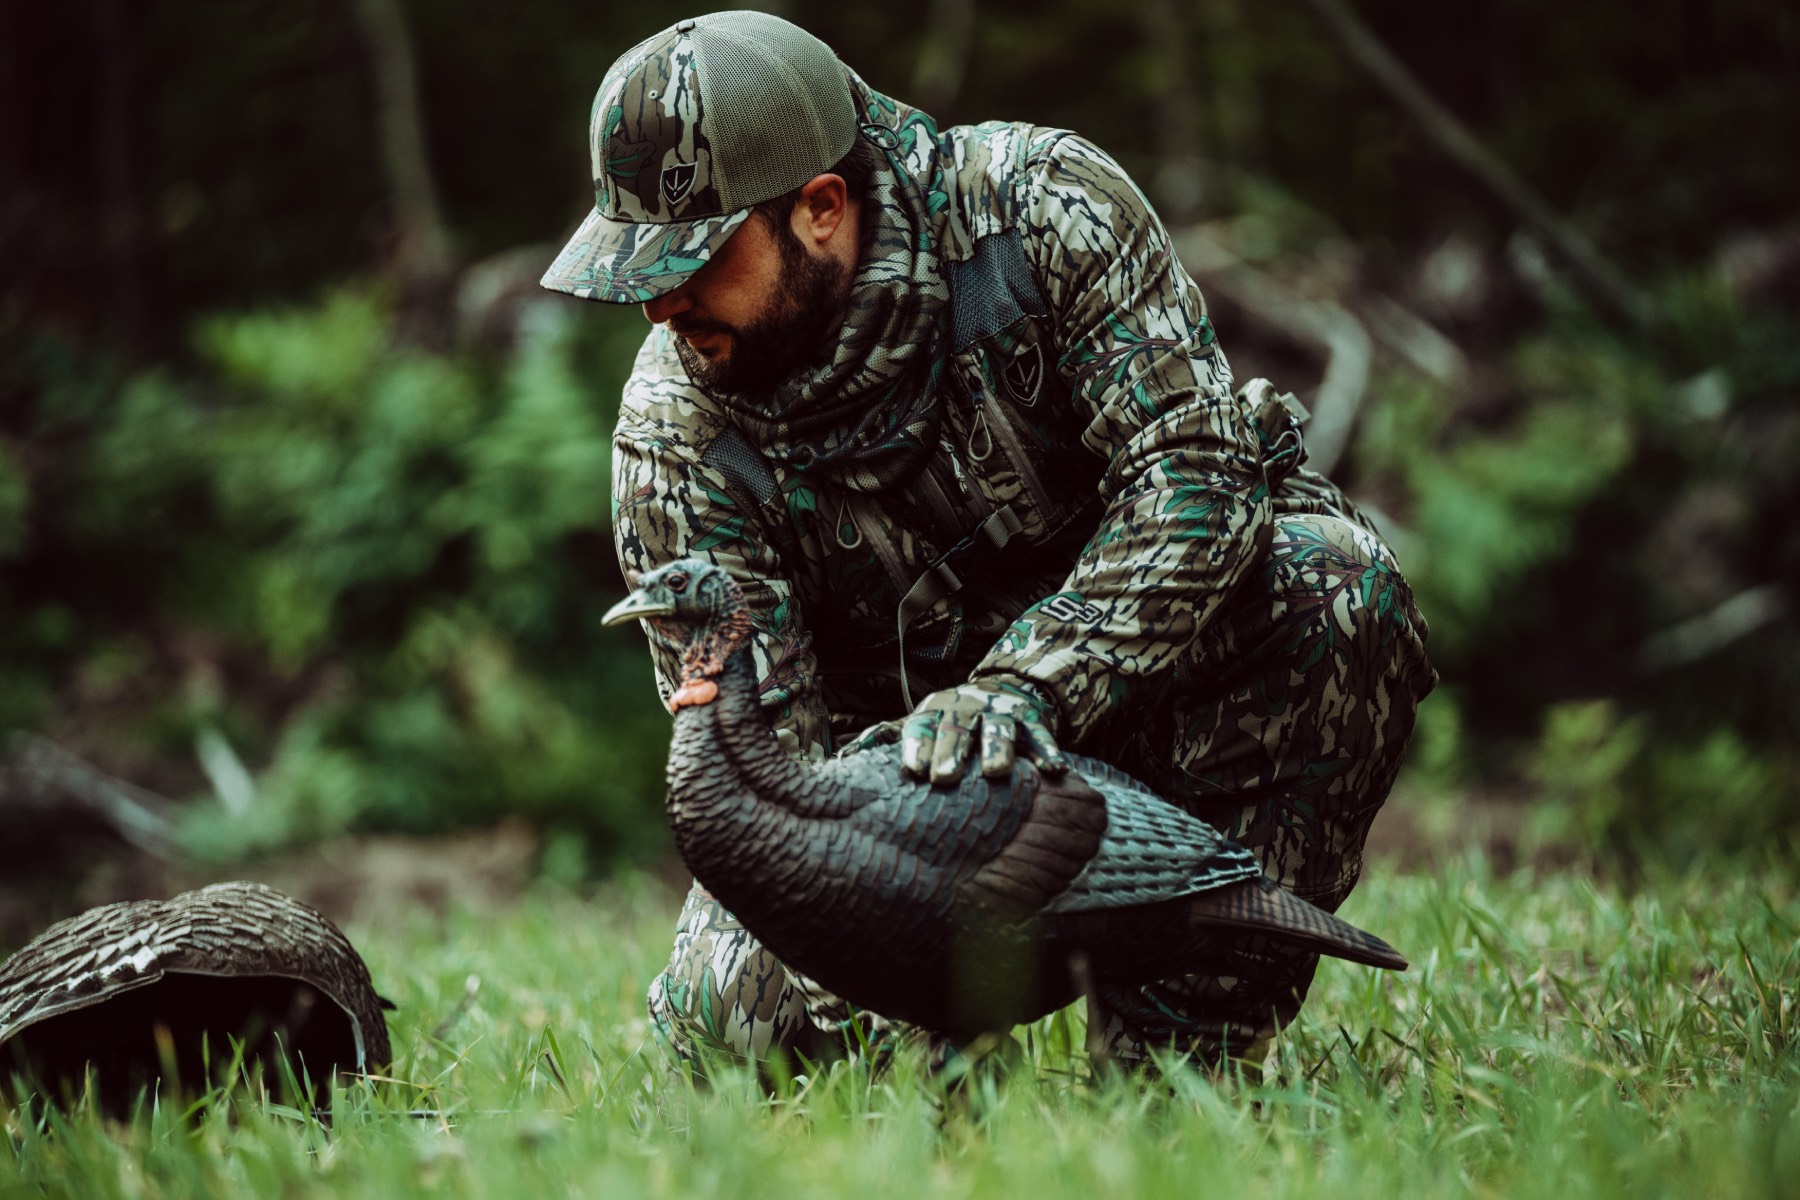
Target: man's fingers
918,739
992,723
997,736
952,749
1044,750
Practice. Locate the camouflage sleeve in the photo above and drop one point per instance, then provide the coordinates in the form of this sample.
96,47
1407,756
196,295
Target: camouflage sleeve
667,505
1187,509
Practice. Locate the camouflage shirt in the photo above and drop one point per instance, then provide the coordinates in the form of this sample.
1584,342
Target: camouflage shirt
1093,492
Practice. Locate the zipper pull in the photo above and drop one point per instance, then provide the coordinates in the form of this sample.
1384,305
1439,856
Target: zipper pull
847,522
956,467
980,435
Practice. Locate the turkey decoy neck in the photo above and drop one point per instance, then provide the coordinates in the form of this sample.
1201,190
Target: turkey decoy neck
729,779
741,810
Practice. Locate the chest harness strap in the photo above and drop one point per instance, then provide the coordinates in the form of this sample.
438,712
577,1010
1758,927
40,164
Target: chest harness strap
940,579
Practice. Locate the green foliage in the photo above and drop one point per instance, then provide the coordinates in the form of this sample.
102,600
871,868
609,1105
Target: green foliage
1439,756
1491,510
1723,791
1604,780
420,536
1583,766
1607,490
1555,1037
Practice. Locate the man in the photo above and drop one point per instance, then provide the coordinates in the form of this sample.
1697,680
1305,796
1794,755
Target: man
948,408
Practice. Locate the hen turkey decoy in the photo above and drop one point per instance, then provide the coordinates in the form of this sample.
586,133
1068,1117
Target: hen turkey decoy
133,990
962,908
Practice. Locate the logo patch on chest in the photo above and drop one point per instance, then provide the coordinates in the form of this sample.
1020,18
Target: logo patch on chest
1024,375
677,182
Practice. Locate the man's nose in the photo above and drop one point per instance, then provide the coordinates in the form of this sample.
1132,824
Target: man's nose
667,305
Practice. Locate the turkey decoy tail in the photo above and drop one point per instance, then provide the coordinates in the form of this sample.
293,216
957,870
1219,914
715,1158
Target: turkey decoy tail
1258,906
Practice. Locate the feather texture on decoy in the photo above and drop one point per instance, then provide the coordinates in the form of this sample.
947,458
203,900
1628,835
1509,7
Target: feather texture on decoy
135,990
962,908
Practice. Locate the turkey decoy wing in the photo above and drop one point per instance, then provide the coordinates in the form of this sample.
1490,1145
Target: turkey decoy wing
922,902
1152,851
988,850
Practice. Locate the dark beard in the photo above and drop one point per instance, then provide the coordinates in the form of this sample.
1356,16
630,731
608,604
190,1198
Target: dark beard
806,309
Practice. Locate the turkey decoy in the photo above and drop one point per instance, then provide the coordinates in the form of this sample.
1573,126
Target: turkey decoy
136,990
962,908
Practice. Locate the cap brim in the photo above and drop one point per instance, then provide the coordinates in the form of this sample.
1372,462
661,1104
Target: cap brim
619,262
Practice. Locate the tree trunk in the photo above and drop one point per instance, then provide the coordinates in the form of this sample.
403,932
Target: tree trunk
944,58
121,220
1180,185
422,262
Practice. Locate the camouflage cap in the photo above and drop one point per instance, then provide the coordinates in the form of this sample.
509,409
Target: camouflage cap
691,128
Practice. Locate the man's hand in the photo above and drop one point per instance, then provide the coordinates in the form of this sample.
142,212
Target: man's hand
936,739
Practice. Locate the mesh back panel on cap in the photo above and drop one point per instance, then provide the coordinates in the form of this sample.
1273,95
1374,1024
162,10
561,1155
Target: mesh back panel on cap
777,104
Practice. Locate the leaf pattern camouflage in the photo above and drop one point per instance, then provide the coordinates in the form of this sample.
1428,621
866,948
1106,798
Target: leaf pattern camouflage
653,181
629,264
1284,728
726,995
1203,610
651,158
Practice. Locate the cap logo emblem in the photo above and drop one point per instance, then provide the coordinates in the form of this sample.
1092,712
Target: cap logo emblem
1024,375
677,182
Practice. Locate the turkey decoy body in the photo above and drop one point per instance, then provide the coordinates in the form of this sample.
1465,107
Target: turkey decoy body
131,990
962,908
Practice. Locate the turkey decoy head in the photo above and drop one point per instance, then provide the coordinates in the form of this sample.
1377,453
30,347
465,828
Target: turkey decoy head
699,606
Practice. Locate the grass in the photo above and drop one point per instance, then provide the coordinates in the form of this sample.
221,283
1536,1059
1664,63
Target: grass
1555,1037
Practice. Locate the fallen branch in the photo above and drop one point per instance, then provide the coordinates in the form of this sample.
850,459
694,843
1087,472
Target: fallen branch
1713,630
45,785
1587,266
1416,340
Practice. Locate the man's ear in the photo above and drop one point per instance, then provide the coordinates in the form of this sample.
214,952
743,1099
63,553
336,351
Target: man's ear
824,206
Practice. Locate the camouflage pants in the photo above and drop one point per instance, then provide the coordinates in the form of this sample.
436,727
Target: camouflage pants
1284,728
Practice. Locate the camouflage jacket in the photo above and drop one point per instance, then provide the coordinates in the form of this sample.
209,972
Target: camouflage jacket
1097,491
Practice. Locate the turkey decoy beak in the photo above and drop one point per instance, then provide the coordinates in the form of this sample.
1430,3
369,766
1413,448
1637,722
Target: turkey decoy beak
636,605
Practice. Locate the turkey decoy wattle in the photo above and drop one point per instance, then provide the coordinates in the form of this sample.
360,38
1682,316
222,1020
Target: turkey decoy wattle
962,908
129,990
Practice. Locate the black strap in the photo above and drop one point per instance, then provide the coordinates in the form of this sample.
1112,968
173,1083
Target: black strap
940,579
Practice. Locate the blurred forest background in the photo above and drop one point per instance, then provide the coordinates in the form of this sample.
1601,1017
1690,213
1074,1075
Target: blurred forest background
304,484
